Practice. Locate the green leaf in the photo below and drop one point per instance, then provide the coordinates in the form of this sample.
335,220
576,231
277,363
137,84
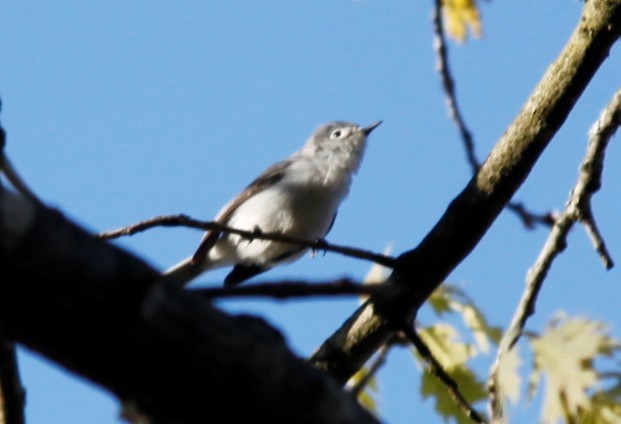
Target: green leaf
475,321
441,298
468,384
444,344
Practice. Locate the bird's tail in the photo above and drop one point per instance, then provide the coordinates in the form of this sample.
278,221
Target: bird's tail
184,272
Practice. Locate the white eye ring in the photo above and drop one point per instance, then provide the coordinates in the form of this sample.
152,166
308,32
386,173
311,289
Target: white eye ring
336,134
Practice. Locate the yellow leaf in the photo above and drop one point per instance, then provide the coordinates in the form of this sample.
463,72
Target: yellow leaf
443,342
475,321
459,15
367,395
447,347
564,355
378,273
508,376
450,298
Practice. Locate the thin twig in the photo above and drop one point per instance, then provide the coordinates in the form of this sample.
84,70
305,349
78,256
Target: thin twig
11,173
12,393
288,289
529,219
435,368
599,135
592,230
186,221
16,180
578,209
377,364
380,360
448,84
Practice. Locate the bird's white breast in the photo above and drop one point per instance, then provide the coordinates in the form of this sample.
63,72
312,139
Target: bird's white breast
302,204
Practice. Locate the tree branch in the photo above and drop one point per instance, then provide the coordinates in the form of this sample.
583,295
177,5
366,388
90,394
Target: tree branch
166,353
436,369
448,85
186,221
578,209
529,219
10,172
288,289
378,362
12,393
473,211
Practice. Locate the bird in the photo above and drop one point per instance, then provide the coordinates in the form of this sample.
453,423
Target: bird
297,197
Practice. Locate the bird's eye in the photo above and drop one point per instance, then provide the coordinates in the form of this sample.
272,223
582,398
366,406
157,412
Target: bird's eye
336,134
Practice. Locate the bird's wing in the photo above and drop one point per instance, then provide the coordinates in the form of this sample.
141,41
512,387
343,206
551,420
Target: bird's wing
269,177
331,223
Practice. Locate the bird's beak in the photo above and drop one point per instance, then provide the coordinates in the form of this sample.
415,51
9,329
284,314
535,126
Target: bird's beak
367,130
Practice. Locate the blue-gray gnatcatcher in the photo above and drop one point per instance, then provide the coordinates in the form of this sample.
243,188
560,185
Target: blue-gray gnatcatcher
297,197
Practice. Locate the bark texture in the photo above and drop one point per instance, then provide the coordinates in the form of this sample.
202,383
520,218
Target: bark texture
165,352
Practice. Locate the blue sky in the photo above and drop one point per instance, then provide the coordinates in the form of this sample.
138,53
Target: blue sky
119,111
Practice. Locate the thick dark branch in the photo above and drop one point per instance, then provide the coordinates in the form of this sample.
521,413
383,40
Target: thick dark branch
473,211
163,351
186,221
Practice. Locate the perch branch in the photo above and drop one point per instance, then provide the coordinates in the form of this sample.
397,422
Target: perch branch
186,221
